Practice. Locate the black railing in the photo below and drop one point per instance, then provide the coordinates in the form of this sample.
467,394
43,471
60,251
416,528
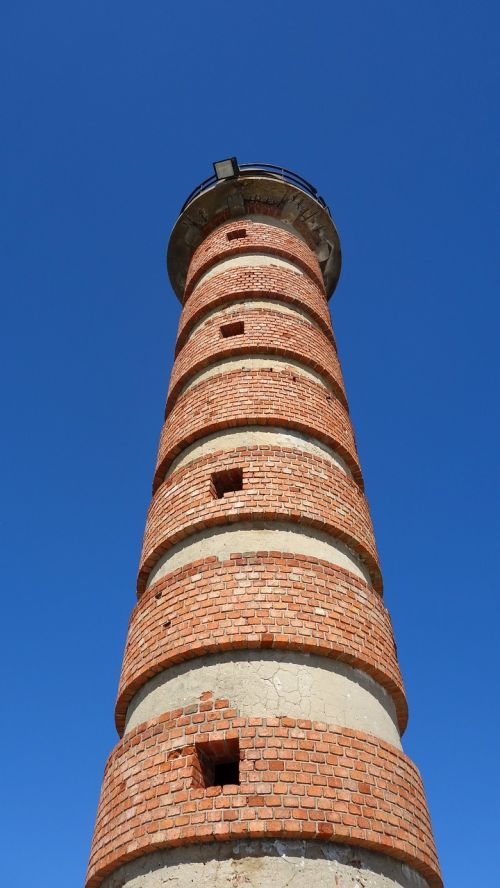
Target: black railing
263,169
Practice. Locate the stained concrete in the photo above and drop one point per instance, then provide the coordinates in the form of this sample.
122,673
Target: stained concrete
248,260
257,436
265,864
249,303
273,683
255,362
258,536
291,203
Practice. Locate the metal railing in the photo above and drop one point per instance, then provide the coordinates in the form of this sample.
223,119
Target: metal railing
263,169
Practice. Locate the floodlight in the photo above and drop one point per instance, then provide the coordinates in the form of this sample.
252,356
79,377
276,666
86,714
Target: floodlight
226,169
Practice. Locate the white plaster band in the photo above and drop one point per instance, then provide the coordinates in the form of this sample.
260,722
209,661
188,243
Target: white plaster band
281,863
268,684
257,436
249,303
258,536
248,260
255,362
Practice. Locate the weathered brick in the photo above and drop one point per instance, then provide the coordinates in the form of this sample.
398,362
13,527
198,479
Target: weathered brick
260,238
257,397
278,484
299,779
267,332
273,804
254,282
314,607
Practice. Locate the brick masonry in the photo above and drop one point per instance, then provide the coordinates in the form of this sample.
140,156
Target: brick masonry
298,779
260,238
261,601
266,332
252,282
257,397
278,484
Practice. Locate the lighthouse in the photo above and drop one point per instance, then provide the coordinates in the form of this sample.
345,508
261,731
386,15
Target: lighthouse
260,708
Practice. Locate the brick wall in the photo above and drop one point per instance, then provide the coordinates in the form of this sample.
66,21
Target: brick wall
278,484
261,601
260,238
266,333
254,282
257,397
299,780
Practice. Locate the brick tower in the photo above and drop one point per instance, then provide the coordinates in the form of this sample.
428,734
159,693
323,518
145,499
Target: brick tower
260,705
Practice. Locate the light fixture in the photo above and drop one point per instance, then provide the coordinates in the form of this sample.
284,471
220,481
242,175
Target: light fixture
226,169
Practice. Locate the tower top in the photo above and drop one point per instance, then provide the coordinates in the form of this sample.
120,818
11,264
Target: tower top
238,191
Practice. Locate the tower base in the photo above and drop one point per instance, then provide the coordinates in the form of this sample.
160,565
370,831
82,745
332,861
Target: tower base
265,864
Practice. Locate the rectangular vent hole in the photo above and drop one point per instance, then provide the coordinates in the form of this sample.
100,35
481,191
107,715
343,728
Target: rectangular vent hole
217,763
235,328
237,233
226,481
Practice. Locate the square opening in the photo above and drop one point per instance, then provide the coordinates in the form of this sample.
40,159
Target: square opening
226,481
237,233
217,763
235,328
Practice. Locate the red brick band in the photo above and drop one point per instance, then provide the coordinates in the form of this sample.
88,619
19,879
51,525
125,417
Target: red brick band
259,238
257,397
262,282
266,332
278,484
265,600
299,780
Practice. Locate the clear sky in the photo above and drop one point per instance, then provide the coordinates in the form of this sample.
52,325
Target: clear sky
112,112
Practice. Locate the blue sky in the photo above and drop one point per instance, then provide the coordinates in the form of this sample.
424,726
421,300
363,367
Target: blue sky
112,112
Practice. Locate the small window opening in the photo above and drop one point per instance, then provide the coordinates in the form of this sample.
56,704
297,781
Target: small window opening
226,481
237,233
235,328
217,763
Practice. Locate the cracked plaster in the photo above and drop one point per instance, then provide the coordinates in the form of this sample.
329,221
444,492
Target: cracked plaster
273,683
